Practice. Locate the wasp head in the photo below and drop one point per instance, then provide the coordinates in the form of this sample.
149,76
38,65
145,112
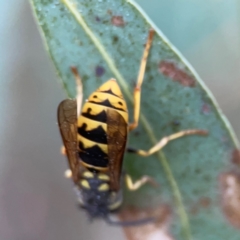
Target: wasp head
96,202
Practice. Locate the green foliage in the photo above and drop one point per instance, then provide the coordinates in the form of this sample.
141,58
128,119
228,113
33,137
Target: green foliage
105,39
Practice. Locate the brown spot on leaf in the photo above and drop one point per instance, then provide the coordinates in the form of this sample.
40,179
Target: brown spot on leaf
117,21
115,39
205,109
109,12
99,71
156,230
136,133
170,70
176,122
194,209
230,197
97,19
236,157
203,202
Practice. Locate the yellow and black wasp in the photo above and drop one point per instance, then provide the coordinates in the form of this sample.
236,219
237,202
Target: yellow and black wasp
95,138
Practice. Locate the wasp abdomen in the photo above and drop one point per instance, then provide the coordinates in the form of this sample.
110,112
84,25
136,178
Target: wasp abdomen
92,124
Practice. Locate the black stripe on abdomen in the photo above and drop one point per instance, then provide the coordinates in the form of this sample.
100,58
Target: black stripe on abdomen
101,117
106,103
97,135
93,156
109,91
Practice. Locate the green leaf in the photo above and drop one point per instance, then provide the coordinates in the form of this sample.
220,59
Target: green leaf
105,39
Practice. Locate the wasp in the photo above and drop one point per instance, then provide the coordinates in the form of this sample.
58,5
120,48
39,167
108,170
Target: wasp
95,137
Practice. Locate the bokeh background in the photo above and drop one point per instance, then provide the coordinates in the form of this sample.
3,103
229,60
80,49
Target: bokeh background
36,202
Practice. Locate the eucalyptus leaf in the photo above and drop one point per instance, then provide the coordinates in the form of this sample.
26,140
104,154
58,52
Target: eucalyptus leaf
105,39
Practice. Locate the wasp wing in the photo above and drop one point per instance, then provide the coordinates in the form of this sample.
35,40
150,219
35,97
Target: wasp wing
67,121
117,130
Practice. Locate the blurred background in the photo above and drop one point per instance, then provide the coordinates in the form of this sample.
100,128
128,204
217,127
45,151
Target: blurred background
36,202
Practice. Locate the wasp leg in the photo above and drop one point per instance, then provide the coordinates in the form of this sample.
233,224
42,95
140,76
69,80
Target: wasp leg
132,186
79,89
63,151
68,173
165,140
137,89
